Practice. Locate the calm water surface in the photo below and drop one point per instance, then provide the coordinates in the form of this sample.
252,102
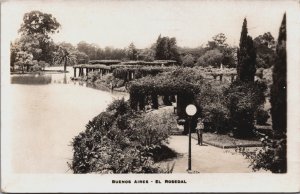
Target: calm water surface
45,118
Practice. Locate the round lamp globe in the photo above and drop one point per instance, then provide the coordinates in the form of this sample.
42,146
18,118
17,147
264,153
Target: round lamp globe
191,110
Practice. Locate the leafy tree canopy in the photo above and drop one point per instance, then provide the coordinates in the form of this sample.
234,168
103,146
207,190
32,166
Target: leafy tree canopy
166,49
36,22
265,47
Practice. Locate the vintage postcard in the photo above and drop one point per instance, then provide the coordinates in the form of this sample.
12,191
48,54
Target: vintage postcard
117,96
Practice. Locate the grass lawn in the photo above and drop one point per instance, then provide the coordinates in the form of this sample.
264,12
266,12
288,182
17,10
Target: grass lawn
217,140
224,141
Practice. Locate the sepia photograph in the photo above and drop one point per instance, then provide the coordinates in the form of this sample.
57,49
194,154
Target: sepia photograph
150,96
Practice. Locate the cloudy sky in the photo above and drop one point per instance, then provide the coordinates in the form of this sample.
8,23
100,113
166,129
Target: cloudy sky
117,23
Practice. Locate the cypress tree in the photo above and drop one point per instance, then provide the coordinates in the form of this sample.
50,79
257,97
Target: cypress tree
279,101
278,90
244,93
274,156
246,55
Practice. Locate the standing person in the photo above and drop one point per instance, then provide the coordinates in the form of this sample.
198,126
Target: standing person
199,130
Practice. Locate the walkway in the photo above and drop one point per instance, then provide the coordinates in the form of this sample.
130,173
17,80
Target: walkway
205,159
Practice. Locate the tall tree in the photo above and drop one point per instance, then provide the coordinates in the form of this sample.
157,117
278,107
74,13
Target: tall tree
246,55
219,40
273,155
65,57
36,22
132,52
279,103
35,33
265,50
219,45
166,49
278,90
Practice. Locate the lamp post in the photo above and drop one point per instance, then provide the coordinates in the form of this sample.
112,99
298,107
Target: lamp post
190,111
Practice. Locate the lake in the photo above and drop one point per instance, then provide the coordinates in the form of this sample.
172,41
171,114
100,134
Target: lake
45,117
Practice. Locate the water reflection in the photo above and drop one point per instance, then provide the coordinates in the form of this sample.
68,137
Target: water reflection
31,79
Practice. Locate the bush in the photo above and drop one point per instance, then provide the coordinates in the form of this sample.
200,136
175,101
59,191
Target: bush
217,115
93,75
119,141
210,58
261,116
271,157
188,60
243,99
214,109
36,68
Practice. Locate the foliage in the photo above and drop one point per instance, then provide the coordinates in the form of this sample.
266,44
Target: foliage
243,99
195,52
93,76
279,98
166,49
261,116
142,71
35,34
188,61
272,155
214,109
211,58
229,57
24,59
265,49
278,89
94,52
35,40
119,141
180,80
218,52
131,52
219,40
183,82
65,57
146,54
246,55
265,46
36,22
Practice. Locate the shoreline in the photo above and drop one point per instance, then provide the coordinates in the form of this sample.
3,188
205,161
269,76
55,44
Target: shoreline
39,72
100,85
